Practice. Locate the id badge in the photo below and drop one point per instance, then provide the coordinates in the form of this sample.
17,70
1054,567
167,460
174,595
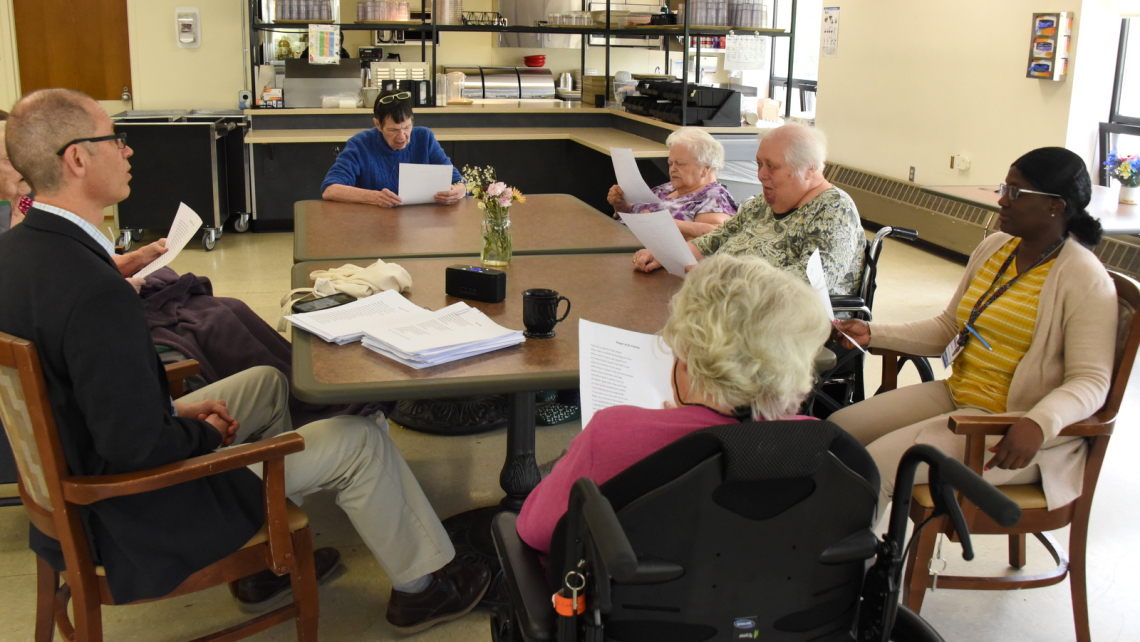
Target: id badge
953,349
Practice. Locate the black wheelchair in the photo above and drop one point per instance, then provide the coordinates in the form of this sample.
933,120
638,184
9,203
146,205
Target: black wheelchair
843,384
749,531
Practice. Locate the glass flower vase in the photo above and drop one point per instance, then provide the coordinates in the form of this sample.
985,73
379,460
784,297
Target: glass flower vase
496,236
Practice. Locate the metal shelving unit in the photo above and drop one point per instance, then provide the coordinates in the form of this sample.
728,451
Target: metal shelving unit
685,31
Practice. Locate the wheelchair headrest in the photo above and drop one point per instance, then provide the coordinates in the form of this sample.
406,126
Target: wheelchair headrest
753,451
756,451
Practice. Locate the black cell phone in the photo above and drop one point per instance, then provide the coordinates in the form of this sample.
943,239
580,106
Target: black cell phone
323,303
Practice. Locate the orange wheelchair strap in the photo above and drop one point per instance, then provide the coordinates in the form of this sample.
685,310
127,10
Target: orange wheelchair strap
564,605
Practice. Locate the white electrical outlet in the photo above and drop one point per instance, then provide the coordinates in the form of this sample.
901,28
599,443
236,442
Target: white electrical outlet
959,162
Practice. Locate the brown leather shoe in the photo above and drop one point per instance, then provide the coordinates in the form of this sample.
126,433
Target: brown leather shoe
265,590
454,590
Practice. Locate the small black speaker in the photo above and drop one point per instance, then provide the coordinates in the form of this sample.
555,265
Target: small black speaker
476,283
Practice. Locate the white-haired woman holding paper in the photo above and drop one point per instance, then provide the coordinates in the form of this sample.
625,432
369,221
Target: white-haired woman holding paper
800,212
696,200
744,336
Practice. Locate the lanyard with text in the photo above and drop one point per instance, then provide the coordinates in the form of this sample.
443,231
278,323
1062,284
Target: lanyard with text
958,343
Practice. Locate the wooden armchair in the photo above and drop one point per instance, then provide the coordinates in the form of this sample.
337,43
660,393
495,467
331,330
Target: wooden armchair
178,372
1036,518
176,375
52,498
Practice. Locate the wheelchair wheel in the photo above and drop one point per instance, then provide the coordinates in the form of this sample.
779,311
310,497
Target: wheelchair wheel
503,627
910,627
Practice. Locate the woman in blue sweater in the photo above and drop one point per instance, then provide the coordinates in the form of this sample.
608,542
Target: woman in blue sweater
368,170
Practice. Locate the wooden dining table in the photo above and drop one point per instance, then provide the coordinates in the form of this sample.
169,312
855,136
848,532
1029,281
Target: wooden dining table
601,287
544,224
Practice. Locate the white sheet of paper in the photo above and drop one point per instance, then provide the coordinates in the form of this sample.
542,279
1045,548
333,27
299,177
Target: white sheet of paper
185,225
659,233
622,367
420,183
629,177
818,281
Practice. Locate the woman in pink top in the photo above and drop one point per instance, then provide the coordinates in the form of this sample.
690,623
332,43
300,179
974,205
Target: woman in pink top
744,336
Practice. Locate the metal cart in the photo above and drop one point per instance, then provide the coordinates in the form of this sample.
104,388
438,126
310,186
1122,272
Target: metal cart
194,157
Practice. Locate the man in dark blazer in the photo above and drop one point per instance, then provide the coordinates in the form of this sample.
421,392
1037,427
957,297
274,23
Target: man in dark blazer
62,291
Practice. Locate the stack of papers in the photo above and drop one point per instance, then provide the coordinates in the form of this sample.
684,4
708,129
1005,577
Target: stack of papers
454,332
348,323
397,328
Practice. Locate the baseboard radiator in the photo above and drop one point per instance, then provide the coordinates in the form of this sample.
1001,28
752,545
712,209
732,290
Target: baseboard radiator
956,226
946,223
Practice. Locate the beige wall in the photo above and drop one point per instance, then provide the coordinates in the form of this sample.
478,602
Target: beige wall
917,82
9,65
163,76
167,77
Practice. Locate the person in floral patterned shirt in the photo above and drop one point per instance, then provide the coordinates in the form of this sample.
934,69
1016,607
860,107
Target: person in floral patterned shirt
693,196
800,212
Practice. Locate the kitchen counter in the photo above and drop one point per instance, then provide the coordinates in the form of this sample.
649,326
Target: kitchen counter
570,108
600,139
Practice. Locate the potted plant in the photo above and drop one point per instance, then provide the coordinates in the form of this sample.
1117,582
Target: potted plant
1125,169
495,200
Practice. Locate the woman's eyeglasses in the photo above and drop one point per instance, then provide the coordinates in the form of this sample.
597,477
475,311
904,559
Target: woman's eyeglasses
403,95
120,140
1013,192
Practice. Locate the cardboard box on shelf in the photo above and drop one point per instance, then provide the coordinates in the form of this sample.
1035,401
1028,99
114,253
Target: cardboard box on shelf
595,86
770,110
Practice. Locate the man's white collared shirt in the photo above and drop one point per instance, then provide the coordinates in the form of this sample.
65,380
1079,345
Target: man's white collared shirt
83,224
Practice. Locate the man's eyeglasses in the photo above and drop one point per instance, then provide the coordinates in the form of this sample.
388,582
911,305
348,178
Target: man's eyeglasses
120,140
1013,192
403,95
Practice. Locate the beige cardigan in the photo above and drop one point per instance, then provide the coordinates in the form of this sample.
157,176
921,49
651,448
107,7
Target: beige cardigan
1064,376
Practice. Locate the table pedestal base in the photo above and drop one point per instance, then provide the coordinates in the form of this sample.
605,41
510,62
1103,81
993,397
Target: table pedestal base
456,416
470,531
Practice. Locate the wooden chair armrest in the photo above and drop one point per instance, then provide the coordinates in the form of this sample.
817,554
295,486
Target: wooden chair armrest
87,490
179,372
1101,423
980,424
890,368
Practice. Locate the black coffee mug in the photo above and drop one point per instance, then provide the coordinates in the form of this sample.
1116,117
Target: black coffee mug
540,312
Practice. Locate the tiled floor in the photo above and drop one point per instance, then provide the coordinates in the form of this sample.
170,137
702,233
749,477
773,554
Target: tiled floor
461,473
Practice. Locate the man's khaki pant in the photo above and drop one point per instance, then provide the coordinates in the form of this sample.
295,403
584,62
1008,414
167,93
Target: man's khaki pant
352,455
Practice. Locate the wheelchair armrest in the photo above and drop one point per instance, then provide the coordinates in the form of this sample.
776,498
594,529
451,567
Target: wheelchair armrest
848,302
525,579
825,359
613,546
903,233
